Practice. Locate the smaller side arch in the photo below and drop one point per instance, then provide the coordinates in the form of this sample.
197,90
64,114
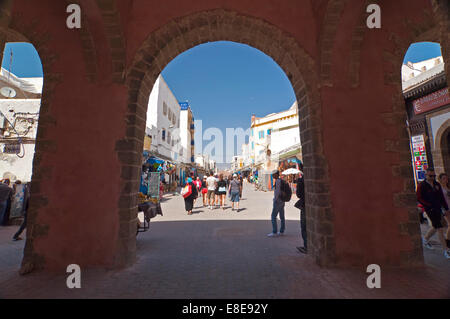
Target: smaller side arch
20,31
441,155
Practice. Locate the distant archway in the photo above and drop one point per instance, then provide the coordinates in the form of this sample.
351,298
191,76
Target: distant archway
441,149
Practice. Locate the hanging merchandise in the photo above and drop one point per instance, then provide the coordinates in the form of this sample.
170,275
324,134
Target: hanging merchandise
143,188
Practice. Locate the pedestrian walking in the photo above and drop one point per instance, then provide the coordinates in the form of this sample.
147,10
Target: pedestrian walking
211,184
198,185
5,197
204,191
190,194
241,179
216,192
222,190
26,205
7,181
430,195
161,190
445,185
300,204
282,194
234,190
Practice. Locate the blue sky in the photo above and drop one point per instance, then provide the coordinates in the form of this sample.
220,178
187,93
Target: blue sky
422,51
25,60
224,82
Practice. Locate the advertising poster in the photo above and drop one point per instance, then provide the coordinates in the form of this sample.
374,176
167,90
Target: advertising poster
153,184
419,157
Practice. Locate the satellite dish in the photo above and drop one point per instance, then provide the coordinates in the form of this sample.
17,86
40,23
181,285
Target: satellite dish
8,92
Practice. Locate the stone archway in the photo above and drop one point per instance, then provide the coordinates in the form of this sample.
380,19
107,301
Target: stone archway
428,29
13,33
184,33
332,121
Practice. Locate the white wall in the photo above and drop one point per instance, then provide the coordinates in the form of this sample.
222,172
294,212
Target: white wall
285,133
185,136
22,168
245,154
202,161
414,73
157,121
11,163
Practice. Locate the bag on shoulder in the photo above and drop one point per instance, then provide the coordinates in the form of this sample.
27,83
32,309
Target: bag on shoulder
186,191
285,191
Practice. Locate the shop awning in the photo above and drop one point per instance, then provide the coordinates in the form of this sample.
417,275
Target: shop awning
292,153
155,160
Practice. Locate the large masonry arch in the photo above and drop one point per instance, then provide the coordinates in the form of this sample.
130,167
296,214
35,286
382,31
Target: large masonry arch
360,202
215,25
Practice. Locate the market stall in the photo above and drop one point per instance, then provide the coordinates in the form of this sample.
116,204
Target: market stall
146,211
150,190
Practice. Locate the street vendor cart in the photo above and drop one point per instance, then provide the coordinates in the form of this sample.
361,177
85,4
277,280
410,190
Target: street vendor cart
147,211
149,204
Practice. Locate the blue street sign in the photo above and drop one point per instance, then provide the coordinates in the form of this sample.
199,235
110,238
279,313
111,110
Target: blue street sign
184,105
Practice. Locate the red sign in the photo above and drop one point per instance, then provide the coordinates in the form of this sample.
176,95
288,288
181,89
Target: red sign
431,101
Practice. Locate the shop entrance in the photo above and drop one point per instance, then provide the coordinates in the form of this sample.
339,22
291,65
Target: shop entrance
445,147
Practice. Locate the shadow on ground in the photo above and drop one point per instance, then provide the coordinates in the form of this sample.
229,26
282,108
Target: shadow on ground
221,259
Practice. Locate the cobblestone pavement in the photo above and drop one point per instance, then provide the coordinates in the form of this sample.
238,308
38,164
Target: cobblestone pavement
222,254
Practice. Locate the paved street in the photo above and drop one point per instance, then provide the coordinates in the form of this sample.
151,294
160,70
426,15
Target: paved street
221,254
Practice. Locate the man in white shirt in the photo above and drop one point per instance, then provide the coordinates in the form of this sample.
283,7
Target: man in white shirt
211,184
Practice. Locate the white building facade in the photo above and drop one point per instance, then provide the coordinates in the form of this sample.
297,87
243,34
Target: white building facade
415,73
277,132
163,121
18,125
202,160
187,153
245,155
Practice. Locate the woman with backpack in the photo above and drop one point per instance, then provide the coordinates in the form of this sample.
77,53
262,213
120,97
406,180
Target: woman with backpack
189,193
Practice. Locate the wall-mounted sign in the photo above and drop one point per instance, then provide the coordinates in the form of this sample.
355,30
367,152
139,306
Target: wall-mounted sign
432,101
11,148
184,105
419,157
